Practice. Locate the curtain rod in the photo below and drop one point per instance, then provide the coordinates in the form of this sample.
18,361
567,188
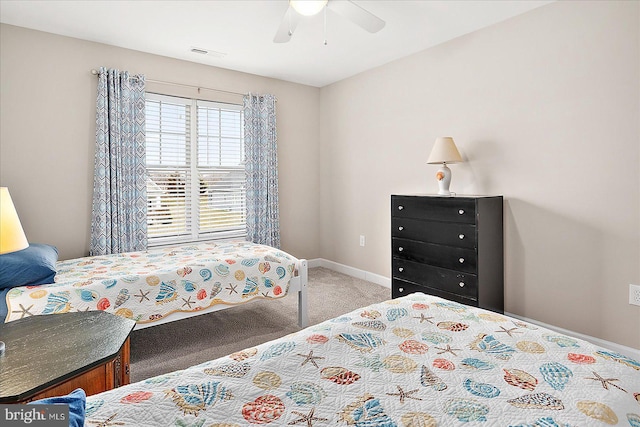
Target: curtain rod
96,72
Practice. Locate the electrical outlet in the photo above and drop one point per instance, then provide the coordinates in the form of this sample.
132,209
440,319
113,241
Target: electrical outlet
634,294
361,240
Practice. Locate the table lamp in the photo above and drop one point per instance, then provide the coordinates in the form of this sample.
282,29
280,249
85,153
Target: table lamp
444,151
12,236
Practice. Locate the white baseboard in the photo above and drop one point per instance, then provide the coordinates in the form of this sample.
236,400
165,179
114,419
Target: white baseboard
351,271
622,349
315,262
386,282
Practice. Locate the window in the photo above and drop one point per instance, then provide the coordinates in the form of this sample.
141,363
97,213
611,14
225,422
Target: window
195,170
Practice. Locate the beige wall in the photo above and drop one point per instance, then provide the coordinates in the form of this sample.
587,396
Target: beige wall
47,133
545,110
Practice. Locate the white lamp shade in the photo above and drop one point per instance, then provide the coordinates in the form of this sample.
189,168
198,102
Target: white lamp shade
444,151
12,236
308,7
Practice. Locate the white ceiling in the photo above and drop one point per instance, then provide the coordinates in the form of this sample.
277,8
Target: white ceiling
244,30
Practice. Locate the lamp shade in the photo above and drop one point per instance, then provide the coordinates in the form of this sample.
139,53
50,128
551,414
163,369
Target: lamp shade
12,236
308,7
444,151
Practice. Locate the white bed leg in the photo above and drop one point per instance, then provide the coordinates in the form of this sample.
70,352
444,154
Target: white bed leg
303,314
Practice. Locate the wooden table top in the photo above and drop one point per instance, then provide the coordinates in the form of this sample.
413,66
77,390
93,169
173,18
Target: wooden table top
42,351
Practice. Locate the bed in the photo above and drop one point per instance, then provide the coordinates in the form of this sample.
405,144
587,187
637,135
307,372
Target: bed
415,361
166,284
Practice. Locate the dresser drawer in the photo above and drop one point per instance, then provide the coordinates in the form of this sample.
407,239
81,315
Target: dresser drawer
444,233
454,282
459,259
449,209
401,288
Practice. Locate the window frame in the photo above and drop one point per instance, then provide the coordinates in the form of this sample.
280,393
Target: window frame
192,212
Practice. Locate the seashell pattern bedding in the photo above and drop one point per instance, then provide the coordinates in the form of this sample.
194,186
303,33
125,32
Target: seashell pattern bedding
417,361
150,285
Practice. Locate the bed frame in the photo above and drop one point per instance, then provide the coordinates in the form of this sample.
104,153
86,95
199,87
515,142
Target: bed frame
297,284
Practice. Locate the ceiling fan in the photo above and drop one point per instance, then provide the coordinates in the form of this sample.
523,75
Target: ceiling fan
345,8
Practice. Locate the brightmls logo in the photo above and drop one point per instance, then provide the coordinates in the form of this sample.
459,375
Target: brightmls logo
35,415
26,416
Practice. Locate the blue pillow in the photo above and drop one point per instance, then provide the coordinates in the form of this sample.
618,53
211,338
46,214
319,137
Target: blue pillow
35,265
76,400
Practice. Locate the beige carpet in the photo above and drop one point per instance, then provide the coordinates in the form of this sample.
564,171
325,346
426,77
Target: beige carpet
178,345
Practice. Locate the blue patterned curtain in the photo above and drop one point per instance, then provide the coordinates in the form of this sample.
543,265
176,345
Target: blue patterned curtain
119,215
261,150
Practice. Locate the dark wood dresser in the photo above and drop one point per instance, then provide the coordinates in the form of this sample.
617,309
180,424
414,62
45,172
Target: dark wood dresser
451,247
55,354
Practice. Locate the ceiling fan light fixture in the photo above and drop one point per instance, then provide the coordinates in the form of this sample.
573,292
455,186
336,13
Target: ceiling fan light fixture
308,7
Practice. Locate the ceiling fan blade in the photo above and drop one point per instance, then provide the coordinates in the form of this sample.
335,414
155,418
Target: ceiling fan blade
287,26
357,14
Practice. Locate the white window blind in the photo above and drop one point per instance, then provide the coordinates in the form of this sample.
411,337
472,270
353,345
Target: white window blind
195,166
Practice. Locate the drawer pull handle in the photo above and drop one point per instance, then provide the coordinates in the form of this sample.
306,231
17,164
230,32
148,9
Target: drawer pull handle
461,260
400,289
400,249
400,207
401,269
461,284
461,212
460,236
400,228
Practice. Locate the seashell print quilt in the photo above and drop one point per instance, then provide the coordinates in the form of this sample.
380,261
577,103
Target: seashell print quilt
416,361
150,285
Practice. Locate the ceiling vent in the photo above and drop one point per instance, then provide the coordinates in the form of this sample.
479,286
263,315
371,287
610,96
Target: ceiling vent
201,51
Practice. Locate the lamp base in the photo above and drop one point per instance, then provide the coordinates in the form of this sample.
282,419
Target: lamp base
444,180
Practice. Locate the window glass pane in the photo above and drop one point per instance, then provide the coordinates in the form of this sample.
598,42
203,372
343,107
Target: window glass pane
168,208
230,121
230,152
153,148
167,133
152,116
222,204
208,151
